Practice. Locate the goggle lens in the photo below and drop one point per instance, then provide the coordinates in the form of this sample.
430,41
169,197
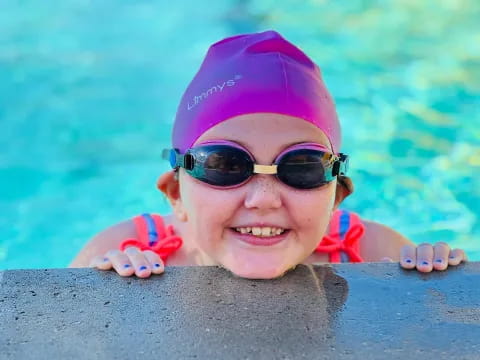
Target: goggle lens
304,169
221,165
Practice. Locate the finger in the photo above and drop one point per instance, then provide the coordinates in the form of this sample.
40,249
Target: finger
424,257
139,262
156,263
456,257
441,251
101,263
121,263
408,257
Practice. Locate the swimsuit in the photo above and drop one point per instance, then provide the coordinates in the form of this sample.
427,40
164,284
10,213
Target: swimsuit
342,243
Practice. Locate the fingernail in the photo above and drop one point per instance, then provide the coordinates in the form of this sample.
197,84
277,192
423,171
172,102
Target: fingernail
157,265
126,266
143,267
424,262
439,260
452,257
408,261
105,259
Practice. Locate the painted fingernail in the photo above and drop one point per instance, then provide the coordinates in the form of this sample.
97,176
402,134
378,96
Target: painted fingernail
424,262
452,257
408,261
157,265
126,266
143,267
105,259
439,260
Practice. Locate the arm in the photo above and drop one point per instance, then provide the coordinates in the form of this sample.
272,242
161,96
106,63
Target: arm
101,243
380,241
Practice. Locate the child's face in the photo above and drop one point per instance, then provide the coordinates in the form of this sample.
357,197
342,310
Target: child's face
213,213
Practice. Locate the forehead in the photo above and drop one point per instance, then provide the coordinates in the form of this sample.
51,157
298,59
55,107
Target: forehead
266,130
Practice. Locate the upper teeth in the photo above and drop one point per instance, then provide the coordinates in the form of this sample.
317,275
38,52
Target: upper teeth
260,231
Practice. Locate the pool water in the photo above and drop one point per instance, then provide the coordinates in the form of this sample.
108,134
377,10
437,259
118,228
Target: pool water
88,91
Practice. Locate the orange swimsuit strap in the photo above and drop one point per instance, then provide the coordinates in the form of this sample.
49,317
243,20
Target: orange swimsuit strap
154,235
342,243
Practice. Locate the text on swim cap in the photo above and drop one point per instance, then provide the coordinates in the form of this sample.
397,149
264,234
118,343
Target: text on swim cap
214,89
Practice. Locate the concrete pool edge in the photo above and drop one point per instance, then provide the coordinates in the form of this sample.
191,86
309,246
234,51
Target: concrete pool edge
341,311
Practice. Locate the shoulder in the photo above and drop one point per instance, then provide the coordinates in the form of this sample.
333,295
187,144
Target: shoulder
125,229
105,240
381,241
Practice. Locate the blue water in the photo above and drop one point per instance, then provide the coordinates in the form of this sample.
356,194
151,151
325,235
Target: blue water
88,91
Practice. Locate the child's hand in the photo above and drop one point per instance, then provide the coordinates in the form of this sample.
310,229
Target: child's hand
426,257
129,262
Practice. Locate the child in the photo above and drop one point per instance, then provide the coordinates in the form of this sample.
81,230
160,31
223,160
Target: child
257,177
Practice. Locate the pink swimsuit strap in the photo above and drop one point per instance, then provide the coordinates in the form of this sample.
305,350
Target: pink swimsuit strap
154,235
342,243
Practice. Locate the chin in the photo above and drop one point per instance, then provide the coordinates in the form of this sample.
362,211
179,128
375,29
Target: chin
261,273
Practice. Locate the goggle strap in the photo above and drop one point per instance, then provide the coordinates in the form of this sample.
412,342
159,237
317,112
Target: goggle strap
188,161
344,164
178,160
341,165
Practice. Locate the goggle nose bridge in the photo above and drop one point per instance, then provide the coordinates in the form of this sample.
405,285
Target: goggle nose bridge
265,169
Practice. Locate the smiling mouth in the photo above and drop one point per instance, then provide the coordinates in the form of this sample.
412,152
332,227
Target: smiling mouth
264,231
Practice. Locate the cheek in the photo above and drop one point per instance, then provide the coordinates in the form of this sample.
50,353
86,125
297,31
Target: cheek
207,208
312,210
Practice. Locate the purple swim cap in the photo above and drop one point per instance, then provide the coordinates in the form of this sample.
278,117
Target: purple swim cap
254,73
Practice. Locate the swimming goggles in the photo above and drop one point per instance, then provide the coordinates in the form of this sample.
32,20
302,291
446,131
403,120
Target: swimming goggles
227,164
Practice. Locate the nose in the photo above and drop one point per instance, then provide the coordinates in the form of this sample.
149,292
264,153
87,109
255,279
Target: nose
263,193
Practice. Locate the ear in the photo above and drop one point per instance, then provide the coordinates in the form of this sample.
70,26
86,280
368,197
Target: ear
344,189
169,185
